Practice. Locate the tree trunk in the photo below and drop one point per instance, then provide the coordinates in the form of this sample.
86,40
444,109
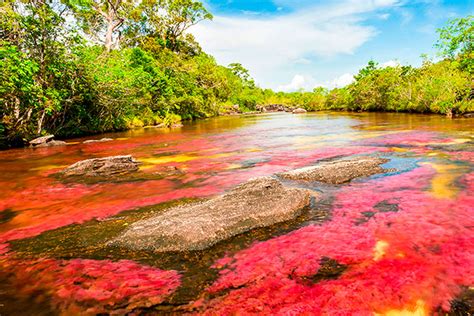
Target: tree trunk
40,122
108,35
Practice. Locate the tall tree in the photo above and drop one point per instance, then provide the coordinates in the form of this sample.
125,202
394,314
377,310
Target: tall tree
456,41
166,21
33,63
102,20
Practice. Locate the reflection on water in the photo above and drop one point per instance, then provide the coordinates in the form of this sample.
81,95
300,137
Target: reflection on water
42,216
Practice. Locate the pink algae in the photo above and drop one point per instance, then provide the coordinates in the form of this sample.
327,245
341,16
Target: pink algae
422,253
83,286
46,204
411,138
36,221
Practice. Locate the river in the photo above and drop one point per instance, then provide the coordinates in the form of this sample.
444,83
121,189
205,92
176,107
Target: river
399,242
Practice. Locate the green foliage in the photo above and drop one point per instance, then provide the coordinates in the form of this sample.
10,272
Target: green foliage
456,41
139,67
367,70
340,99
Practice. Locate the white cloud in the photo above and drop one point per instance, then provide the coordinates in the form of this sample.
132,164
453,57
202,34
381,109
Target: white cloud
390,63
299,82
342,81
308,83
302,61
272,44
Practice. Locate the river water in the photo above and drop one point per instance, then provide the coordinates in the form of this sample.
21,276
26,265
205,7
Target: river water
400,242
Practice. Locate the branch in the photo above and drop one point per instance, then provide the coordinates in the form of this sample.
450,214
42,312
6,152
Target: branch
98,9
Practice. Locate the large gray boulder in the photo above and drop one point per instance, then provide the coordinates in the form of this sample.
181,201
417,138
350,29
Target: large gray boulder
338,171
100,167
257,203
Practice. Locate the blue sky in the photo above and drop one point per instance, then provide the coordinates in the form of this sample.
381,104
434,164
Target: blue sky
289,45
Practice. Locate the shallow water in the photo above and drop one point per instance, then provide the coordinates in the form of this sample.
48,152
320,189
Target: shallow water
404,239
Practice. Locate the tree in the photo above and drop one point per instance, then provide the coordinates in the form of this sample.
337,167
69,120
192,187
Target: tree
102,19
367,70
241,72
36,64
166,23
456,40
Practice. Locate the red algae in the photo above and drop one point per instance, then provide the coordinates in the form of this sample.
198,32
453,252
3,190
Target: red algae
410,138
33,222
405,239
91,287
3,249
422,253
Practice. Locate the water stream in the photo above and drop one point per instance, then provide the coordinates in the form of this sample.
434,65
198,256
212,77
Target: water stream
400,242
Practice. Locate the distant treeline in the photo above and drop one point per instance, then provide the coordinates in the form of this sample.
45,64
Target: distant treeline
74,67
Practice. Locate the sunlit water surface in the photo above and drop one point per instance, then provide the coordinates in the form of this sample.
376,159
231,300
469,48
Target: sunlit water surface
400,242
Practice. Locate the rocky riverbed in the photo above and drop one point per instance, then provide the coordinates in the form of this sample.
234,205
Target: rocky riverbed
353,213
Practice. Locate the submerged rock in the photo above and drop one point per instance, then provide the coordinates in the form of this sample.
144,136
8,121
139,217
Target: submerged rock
298,111
102,166
102,140
339,171
259,202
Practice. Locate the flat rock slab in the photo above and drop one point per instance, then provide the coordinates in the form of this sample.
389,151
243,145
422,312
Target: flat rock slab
100,167
259,202
338,171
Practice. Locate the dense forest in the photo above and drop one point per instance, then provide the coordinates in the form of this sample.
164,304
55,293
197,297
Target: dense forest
75,67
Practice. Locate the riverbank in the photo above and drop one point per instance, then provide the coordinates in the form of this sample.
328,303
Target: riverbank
232,112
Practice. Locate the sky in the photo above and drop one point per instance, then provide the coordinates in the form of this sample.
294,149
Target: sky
289,45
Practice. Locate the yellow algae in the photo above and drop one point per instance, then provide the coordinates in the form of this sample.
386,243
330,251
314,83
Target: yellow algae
418,310
233,166
179,158
168,159
380,249
219,155
253,150
48,167
399,149
442,184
